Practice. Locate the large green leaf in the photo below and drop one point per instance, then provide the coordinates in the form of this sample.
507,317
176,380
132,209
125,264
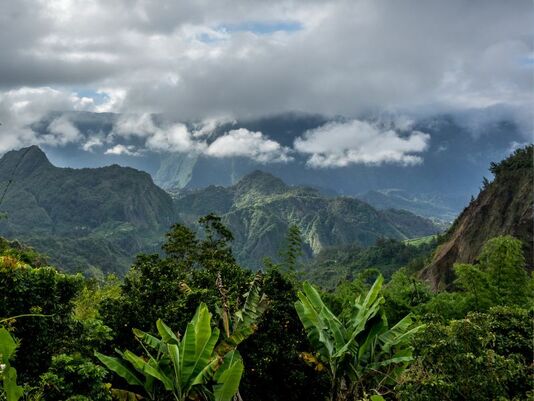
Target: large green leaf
8,345
166,333
12,390
115,365
228,377
149,367
148,339
197,345
245,320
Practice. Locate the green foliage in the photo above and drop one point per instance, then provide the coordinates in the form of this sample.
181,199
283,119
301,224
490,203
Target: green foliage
520,159
361,352
499,278
503,261
8,374
486,356
404,294
275,369
292,249
171,288
71,377
335,265
27,290
187,367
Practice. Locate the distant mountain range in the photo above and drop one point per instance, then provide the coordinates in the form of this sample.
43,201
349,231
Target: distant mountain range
458,155
99,218
439,207
260,208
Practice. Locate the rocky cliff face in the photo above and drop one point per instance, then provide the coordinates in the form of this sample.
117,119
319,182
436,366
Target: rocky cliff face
503,207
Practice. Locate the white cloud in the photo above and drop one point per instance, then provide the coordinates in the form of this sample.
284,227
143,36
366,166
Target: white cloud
178,137
340,144
120,149
91,143
172,138
20,108
61,131
245,143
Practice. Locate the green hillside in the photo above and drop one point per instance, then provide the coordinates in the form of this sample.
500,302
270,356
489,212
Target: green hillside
81,218
260,208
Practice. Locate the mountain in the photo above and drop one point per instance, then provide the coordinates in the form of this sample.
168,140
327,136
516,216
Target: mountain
457,156
503,207
260,207
427,205
458,153
81,217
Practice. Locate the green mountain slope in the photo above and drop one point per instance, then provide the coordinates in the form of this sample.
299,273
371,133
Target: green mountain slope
260,208
427,205
503,207
81,217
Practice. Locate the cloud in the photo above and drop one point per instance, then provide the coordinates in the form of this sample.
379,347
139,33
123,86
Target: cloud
343,57
244,143
340,144
171,138
177,137
120,149
20,108
91,143
61,131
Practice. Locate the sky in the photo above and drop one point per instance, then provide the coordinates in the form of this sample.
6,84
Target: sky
214,61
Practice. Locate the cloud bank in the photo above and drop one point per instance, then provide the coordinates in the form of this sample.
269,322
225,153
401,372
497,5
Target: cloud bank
241,58
358,142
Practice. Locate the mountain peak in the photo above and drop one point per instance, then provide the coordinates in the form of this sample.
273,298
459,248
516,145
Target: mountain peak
260,181
24,161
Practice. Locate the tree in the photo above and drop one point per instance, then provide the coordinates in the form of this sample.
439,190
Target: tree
45,291
171,287
293,248
72,376
273,355
502,259
198,364
486,356
360,352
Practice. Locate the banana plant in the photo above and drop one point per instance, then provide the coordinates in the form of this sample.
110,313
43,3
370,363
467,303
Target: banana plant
243,323
187,367
8,375
359,349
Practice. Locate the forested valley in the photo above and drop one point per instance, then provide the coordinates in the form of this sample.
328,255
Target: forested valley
446,317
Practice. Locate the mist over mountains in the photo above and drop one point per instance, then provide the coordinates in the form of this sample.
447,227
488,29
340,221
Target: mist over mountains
456,154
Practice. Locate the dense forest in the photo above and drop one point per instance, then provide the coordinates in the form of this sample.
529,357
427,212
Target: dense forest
356,323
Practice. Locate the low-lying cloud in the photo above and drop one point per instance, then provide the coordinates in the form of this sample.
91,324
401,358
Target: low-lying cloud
20,108
180,138
339,144
244,143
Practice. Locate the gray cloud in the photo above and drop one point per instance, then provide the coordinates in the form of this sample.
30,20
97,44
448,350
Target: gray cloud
187,59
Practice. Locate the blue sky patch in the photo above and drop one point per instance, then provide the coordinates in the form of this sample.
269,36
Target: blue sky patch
262,27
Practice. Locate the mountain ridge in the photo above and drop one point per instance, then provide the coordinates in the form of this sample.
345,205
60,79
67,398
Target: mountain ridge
260,208
119,209
503,207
